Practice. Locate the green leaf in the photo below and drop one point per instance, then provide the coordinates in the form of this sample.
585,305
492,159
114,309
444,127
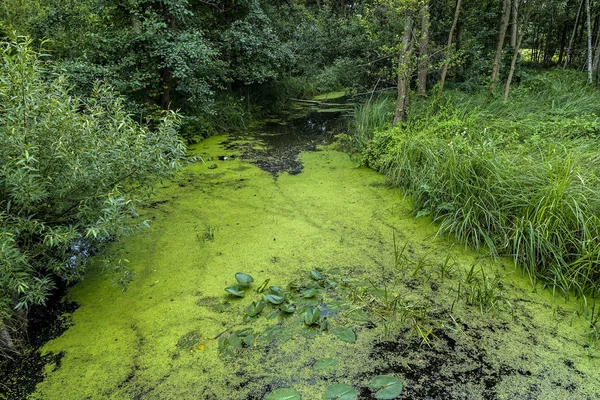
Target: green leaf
389,387
255,308
358,316
327,365
244,279
283,394
308,293
287,308
340,391
263,286
345,334
276,290
273,298
248,339
316,275
235,341
235,291
311,315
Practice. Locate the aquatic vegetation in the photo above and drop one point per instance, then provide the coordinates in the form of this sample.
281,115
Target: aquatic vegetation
284,233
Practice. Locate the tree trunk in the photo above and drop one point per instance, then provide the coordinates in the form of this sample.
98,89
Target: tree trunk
515,24
450,35
515,57
589,41
424,51
563,38
501,36
404,73
596,57
165,81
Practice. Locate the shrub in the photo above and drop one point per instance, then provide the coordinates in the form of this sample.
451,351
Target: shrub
71,170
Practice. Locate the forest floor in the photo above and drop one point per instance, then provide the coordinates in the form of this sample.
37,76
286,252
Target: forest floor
391,297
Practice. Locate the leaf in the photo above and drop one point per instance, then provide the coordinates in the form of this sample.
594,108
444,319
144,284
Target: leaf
358,316
287,308
316,275
244,279
276,290
263,286
283,394
311,315
235,341
389,387
255,308
340,391
248,339
327,365
235,291
273,298
345,334
308,293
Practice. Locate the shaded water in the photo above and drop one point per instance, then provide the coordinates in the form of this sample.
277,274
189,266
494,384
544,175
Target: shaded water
449,322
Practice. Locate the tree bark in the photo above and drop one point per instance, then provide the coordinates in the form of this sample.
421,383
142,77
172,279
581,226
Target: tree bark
404,73
424,50
569,55
515,24
589,41
447,55
501,36
515,57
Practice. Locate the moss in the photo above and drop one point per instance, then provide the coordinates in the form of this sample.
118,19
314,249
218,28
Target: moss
158,339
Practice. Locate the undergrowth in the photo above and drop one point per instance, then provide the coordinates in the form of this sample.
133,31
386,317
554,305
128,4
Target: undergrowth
520,178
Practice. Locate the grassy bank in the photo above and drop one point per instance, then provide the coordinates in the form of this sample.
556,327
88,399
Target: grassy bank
520,178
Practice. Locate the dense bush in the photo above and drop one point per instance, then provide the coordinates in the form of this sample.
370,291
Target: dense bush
70,172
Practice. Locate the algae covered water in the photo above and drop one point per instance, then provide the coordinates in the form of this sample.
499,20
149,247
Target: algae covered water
346,285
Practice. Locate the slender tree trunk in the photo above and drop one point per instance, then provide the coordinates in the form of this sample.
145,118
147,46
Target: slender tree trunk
447,55
563,38
596,57
589,40
404,73
515,57
424,50
515,24
501,36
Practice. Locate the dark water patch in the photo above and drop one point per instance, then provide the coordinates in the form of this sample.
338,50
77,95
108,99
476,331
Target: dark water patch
19,376
277,145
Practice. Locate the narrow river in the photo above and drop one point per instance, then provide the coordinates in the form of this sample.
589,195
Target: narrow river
365,290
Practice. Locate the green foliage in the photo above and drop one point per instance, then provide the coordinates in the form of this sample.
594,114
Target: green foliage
519,178
387,386
283,394
71,171
340,391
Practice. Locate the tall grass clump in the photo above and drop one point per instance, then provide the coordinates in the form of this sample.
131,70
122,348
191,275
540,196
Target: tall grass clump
374,115
506,177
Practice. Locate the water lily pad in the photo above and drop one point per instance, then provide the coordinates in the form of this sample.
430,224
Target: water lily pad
244,279
276,290
345,334
340,391
255,308
287,308
358,316
308,293
316,275
235,290
273,298
311,315
283,394
327,365
389,387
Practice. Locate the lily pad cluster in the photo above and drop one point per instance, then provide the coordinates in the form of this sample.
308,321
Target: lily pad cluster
383,387
306,302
